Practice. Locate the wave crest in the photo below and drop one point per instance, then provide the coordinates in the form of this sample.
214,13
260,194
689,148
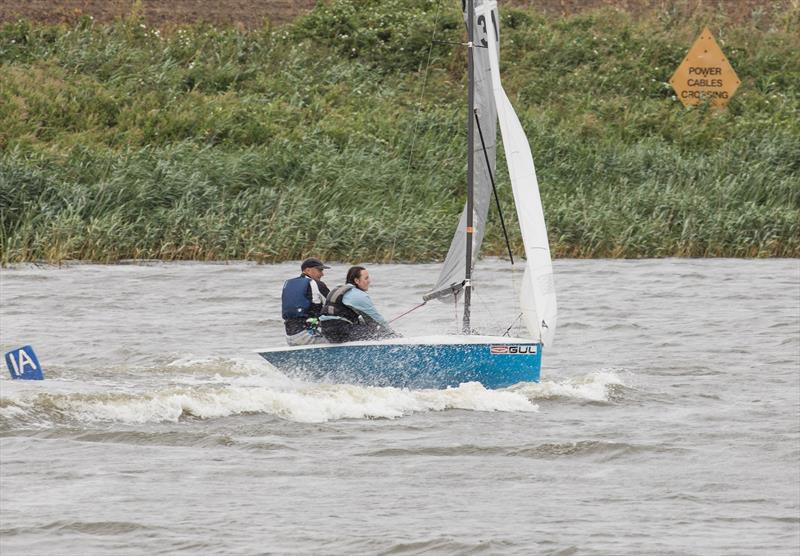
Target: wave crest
604,386
307,403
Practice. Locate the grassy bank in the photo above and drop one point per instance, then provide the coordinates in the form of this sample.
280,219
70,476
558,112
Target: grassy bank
122,141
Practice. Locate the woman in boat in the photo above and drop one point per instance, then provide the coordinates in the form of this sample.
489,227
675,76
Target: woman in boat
349,314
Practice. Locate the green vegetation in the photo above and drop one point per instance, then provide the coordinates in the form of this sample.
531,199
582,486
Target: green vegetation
342,136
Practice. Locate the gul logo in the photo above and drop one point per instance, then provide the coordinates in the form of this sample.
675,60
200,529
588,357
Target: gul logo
509,350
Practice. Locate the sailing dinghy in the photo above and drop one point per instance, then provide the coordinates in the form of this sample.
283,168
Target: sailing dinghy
445,361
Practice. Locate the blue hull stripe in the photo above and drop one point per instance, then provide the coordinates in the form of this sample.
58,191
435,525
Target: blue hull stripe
413,365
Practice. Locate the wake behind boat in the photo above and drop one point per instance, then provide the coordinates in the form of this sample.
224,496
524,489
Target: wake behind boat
443,361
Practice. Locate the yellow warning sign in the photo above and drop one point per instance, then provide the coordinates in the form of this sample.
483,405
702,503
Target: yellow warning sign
705,74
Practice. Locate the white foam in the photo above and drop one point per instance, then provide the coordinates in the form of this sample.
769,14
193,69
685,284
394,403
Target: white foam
307,403
313,404
12,412
211,365
208,396
594,386
246,372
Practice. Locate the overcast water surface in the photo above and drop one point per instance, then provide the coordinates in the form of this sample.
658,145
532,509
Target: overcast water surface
667,421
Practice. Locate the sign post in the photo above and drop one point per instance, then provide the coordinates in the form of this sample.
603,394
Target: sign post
705,74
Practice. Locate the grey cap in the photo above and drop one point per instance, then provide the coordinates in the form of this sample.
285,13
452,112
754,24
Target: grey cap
311,262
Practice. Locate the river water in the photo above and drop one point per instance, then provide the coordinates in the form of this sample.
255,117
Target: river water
667,421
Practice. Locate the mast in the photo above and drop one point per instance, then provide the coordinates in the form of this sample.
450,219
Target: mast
470,161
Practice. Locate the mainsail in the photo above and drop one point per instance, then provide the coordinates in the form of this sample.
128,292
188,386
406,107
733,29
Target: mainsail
453,270
537,296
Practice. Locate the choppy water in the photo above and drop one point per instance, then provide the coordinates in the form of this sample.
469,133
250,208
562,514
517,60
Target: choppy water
667,421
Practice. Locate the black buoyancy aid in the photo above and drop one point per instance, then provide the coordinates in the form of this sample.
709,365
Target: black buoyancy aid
295,298
335,307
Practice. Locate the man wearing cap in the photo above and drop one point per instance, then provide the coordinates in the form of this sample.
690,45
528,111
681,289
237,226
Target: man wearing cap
302,299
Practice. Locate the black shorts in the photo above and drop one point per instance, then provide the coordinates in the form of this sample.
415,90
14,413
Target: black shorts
338,331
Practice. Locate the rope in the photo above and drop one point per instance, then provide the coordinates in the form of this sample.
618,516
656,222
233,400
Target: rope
407,312
512,324
517,289
455,310
494,188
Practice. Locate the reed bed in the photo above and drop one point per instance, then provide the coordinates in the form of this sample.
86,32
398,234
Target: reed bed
196,143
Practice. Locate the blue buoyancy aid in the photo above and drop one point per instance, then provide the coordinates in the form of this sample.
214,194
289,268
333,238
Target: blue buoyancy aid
295,298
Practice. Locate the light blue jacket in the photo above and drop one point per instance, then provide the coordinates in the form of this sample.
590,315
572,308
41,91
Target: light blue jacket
360,301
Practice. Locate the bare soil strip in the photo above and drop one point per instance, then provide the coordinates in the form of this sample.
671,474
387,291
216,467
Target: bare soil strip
257,13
